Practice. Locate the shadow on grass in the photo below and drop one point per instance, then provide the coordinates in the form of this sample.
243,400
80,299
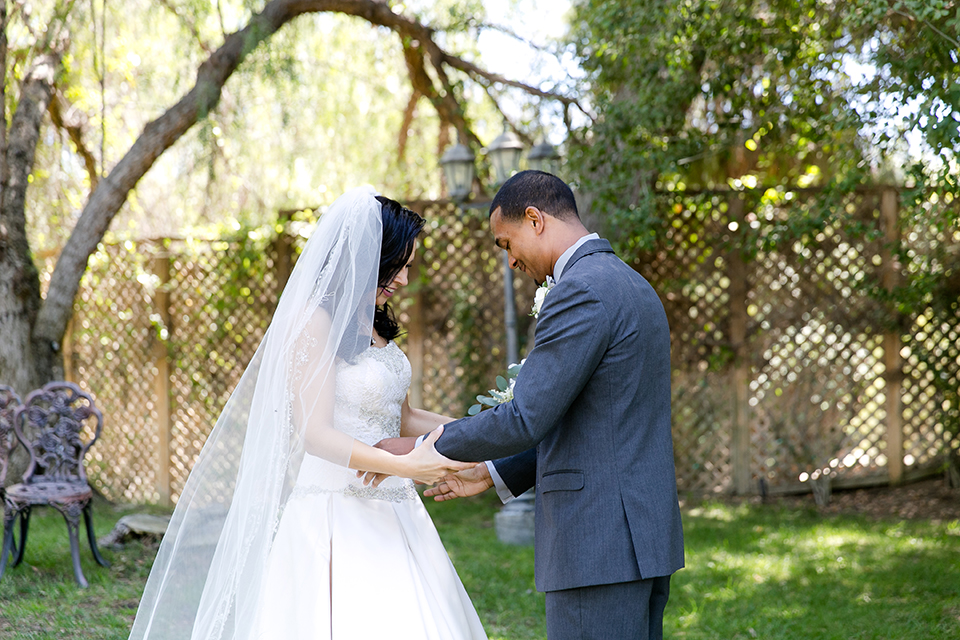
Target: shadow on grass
498,577
764,572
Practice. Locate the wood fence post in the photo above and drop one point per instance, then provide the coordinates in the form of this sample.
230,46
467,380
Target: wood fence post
67,347
161,387
283,246
893,366
740,375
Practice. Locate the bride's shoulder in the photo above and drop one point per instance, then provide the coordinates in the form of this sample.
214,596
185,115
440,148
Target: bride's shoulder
318,321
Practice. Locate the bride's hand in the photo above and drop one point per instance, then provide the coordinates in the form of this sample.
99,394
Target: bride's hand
426,465
396,446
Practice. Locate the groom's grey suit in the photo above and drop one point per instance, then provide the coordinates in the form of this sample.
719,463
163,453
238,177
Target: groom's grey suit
594,400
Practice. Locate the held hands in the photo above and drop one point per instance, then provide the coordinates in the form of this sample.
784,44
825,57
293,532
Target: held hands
425,464
396,446
422,464
462,484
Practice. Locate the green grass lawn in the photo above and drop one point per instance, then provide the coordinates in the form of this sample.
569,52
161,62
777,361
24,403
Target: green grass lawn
752,572
767,572
40,599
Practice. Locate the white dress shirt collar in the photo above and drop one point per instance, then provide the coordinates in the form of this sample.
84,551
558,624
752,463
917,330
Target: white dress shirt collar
566,255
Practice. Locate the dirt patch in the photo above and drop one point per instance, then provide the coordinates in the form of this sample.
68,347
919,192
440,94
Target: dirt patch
925,500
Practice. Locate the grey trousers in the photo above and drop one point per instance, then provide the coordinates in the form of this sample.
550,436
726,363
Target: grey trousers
623,611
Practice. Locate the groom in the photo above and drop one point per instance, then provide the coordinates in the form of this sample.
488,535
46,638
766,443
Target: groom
589,425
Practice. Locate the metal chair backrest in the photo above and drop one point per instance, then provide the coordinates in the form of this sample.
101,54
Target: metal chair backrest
51,425
9,401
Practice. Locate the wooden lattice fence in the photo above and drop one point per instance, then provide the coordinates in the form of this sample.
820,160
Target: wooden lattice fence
784,370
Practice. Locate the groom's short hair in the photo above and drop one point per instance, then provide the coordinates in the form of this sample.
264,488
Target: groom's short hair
539,189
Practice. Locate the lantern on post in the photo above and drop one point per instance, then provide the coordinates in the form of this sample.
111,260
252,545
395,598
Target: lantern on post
504,153
515,522
544,157
458,167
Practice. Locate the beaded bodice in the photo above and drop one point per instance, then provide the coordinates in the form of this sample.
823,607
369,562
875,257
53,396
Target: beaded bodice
369,400
370,394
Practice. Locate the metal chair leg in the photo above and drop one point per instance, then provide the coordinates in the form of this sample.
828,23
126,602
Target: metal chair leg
24,527
91,538
6,550
73,528
13,538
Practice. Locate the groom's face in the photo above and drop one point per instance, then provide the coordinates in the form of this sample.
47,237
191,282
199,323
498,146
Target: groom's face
521,240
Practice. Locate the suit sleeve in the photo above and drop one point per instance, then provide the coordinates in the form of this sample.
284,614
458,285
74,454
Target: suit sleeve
572,336
518,472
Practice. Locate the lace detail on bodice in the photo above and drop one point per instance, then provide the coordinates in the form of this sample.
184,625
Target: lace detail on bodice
369,400
370,394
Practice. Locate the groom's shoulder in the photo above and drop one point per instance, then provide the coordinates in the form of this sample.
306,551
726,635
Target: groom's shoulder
600,265
611,280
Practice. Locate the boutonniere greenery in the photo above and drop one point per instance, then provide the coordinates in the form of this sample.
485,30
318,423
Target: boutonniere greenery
503,392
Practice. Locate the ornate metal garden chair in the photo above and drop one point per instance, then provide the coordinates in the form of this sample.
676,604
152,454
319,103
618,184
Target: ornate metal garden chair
9,401
50,424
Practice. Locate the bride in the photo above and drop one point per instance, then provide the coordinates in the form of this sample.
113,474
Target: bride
274,536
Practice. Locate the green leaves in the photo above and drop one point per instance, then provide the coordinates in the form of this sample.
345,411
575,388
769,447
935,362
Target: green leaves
503,392
703,94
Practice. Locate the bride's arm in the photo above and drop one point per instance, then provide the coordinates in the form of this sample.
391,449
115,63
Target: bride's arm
423,464
314,387
418,422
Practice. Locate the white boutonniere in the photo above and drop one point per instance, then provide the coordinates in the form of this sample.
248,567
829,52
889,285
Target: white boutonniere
541,295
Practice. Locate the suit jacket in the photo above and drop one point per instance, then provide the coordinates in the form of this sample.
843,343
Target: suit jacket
593,398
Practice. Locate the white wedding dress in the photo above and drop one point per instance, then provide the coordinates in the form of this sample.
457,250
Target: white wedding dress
351,562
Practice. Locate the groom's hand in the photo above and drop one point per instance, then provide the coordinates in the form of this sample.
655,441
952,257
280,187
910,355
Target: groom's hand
397,446
462,484
371,478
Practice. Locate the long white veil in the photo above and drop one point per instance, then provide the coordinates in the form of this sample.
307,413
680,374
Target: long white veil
207,576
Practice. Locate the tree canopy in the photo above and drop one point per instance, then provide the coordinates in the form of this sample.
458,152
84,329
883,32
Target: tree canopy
327,104
170,114
700,94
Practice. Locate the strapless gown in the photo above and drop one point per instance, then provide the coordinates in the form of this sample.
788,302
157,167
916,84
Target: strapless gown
351,562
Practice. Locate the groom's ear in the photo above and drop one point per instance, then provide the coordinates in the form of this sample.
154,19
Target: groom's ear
535,218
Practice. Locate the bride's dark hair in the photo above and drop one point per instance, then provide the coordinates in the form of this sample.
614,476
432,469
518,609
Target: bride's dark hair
400,230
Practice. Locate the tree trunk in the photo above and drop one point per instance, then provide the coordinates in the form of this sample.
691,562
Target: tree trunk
19,280
3,97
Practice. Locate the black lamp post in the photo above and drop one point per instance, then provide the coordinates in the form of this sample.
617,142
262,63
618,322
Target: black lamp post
504,153
514,522
458,166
